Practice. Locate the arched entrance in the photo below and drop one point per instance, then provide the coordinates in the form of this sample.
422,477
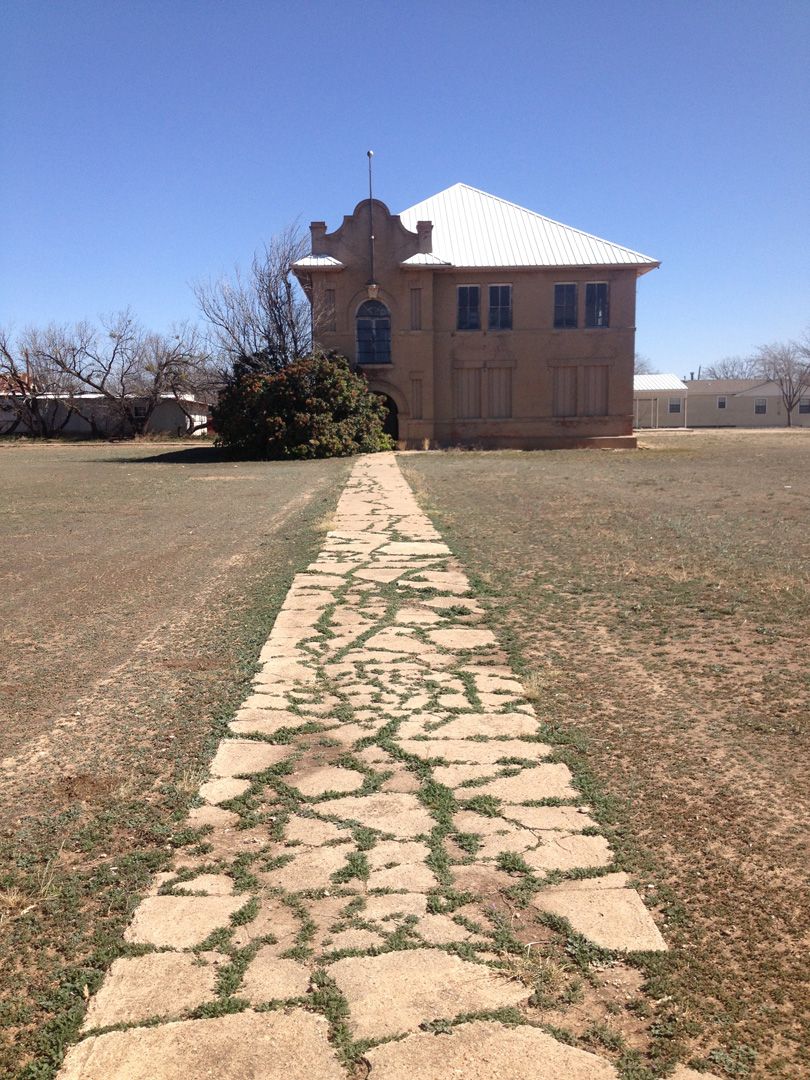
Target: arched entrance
391,425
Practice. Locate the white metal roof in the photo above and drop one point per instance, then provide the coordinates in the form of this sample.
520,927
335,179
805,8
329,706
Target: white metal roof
658,382
319,262
424,258
472,229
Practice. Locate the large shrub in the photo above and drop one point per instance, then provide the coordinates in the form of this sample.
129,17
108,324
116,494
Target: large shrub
315,407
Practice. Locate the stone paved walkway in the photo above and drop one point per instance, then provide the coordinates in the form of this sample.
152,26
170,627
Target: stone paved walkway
337,916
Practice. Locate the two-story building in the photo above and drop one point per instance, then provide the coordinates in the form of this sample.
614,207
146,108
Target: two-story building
481,322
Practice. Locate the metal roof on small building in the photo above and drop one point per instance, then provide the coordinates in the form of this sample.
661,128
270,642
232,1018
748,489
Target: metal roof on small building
644,383
474,229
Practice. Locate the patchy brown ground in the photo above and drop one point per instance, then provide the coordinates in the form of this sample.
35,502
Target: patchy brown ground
135,596
659,603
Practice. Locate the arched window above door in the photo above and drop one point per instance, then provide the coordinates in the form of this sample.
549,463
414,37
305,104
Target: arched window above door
373,333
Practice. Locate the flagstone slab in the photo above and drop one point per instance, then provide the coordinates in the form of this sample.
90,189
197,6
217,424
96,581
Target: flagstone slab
396,851
265,721
354,939
223,790
324,779
396,992
159,984
413,547
415,877
290,1045
274,919
210,884
551,781
245,757
400,814
441,930
468,750
387,909
564,851
611,917
312,832
312,869
180,922
269,978
559,818
462,637
493,725
486,1050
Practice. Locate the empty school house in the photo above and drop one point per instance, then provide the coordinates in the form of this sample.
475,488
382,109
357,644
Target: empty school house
480,322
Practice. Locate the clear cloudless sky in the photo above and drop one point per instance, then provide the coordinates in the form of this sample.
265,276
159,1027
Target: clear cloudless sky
149,144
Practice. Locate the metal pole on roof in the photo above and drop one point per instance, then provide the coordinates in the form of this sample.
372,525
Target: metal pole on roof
370,155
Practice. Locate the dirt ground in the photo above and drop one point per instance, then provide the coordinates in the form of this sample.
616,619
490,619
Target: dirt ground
657,601
138,584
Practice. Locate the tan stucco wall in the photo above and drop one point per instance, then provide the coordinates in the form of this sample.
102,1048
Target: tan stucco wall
438,355
739,411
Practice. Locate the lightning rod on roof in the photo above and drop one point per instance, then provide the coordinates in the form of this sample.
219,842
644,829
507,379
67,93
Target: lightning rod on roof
373,288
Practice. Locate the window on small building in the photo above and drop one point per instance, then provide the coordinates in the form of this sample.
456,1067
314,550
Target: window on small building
140,410
721,402
760,406
565,306
500,307
674,404
804,405
373,333
597,304
416,309
469,308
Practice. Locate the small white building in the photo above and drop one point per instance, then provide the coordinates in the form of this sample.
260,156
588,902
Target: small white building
659,401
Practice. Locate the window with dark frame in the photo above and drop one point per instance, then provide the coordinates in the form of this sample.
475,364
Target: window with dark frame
597,305
373,333
760,406
721,402
500,307
469,308
565,306
804,405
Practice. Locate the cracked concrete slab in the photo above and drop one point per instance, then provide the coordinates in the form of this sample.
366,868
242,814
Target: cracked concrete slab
396,992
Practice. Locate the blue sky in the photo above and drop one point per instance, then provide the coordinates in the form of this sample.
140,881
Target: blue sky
148,145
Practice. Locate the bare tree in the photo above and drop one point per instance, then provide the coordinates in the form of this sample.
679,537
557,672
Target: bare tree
733,367
261,321
122,367
788,365
642,365
36,398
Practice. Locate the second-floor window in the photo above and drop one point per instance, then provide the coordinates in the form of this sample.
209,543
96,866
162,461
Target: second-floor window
565,306
597,304
500,307
469,308
373,333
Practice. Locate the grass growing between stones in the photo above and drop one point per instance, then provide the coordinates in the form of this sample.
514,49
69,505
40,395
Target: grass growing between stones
656,605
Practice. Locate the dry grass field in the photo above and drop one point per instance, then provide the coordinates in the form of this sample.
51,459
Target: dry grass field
657,603
135,595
